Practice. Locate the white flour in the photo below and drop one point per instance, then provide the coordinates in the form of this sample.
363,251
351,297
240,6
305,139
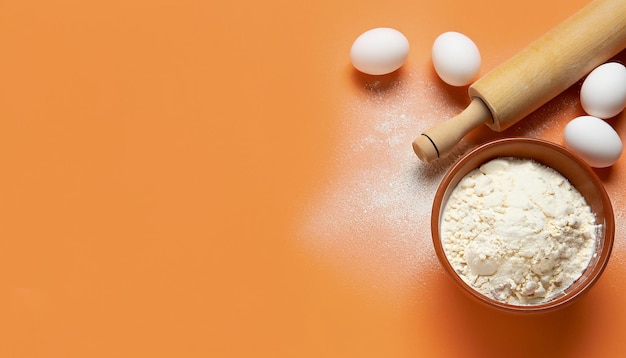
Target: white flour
518,231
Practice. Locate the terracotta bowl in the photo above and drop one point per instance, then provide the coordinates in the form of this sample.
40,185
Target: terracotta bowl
569,165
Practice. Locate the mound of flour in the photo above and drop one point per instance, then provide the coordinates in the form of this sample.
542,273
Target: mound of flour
518,231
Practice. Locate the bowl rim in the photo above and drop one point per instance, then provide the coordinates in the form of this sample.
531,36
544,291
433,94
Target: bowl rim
559,301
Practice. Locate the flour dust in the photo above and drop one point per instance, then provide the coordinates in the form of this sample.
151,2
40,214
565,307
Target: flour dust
372,219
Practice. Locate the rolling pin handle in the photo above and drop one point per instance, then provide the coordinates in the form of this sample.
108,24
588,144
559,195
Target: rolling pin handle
437,141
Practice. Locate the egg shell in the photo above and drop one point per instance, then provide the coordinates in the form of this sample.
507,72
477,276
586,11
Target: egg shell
456,58
379,51
594,140
603,92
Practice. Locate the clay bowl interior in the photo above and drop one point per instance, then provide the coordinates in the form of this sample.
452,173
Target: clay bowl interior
580,175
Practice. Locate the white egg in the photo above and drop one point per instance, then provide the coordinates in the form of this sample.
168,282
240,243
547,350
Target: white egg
594,140
456,58
603,93
379,51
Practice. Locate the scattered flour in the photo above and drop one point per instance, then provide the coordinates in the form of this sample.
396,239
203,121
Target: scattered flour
518,231
370,219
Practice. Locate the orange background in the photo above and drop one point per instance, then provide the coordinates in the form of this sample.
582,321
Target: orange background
213,179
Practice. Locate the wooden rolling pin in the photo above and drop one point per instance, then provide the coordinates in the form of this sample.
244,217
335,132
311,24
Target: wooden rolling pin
538,73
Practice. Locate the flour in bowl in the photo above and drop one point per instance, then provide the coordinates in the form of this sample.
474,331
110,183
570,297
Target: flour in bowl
517,231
